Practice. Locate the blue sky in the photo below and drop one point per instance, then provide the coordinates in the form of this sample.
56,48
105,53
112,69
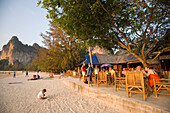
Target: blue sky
22,18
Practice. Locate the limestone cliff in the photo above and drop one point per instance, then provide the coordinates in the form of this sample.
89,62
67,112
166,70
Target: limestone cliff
15,50
98,50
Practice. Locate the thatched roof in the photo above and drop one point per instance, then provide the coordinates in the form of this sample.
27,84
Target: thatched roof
106,59
121,58
163,57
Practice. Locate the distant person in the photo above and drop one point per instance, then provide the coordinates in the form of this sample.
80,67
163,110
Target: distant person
41,94
9,73
14,74
89,76
38,76
61,75
34,78
26,74
51,74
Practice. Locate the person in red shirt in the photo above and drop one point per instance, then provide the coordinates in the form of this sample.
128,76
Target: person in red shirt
83,68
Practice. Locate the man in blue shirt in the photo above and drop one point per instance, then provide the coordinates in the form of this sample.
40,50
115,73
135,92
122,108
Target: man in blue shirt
89,76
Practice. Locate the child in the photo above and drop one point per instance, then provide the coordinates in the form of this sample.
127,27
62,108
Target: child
41,94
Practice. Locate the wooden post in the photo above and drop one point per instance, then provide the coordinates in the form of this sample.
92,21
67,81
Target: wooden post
128,65
90,56
78,69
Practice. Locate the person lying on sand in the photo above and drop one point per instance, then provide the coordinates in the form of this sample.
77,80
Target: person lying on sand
41,94
34,78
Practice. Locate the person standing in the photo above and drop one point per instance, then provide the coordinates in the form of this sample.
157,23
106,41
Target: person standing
83,68
96,71
112,74
89,76
26,74
14,74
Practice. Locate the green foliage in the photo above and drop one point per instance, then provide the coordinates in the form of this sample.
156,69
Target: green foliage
30,67
63,52
134,25
4,65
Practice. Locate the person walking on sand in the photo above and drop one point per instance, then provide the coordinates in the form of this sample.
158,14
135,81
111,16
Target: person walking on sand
89,76
41,94
14,74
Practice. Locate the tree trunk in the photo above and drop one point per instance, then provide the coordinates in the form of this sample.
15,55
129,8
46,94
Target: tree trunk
145,64
143,61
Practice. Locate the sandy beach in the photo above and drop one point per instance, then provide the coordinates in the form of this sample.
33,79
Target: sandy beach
18,95
6,75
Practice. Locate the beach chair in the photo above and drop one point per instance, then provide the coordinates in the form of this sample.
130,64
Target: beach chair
135,82
102,78
161,88
119,81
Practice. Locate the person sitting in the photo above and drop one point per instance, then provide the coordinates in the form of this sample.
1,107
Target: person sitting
151,75
51,75
124,72
138,69
132,70
61,75
34,78
38,76
41,94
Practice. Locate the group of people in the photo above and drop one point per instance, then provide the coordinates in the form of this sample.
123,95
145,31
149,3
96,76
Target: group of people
87,72
147,71
35,77
90,70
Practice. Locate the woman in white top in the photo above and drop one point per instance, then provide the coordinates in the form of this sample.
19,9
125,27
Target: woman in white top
96,71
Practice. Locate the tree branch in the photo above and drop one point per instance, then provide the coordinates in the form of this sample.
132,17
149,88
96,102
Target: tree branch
115,26
159,54
152,46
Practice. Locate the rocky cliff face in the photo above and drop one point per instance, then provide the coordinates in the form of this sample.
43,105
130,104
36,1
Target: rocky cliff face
98,50
15,50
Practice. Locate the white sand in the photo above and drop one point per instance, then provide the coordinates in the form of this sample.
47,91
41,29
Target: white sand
21,97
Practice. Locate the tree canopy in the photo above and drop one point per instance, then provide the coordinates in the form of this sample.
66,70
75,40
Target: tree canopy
134,25
62,52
